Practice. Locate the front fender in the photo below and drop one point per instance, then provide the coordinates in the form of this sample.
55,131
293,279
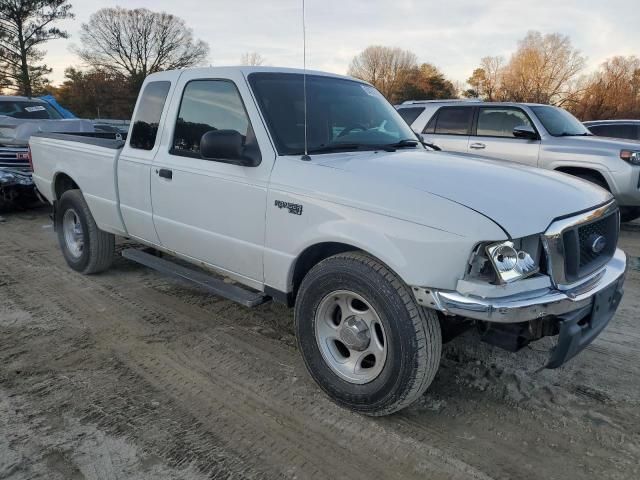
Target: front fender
419,254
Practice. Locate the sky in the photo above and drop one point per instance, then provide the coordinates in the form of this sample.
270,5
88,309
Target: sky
452,34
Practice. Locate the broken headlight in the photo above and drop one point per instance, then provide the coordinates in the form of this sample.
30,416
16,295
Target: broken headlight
510,261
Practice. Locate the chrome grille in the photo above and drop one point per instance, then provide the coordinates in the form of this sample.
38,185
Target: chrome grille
13,157
578,246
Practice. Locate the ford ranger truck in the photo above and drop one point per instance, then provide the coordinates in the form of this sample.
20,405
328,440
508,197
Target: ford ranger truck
384,248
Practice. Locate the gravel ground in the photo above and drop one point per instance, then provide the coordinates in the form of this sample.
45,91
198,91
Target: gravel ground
129,374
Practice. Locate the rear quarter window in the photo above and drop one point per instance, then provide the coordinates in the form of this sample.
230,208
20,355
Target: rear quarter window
147,120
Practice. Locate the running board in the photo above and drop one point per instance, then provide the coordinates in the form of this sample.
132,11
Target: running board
211,283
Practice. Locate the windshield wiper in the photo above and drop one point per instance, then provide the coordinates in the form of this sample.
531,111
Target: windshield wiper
389,147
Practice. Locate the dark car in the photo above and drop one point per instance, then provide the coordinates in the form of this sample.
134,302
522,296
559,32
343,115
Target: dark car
627,129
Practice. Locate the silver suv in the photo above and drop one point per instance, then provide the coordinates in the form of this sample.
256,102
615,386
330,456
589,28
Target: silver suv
532,134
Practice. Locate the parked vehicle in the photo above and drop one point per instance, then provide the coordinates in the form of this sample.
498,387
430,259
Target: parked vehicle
626,129
538,135
384,248
19,118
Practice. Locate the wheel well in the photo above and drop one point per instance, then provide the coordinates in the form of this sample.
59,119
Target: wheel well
63,182
581,172
311,257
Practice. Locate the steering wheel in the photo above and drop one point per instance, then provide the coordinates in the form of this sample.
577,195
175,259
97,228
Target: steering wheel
351,128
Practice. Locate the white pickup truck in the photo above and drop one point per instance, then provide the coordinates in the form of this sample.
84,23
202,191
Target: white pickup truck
327,201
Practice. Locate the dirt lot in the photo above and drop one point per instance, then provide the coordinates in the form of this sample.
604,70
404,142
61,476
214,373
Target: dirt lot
129,374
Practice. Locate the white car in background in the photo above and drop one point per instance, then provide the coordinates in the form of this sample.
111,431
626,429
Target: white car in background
531,134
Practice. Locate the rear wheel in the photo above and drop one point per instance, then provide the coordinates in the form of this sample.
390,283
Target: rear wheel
362,336
85,247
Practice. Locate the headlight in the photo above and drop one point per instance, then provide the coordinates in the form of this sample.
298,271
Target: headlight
510,263
631,156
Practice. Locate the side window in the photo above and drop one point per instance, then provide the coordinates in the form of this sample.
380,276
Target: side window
208,105
410,114
454,121
500,122
145,125
616,131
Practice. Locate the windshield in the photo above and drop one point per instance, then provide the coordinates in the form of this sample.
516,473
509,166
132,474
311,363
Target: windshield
28,110
559,122
342,114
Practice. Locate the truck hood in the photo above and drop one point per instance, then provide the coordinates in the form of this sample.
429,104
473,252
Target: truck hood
521,200
16,131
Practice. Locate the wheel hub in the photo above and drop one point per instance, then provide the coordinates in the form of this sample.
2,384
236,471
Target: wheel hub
355,334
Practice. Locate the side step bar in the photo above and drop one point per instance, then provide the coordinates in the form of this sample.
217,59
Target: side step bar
211,283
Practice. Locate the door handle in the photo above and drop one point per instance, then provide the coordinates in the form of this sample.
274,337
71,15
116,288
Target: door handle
165,173
477,146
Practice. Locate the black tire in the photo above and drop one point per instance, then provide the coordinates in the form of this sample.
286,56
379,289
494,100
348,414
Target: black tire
414,340
99,247
629,214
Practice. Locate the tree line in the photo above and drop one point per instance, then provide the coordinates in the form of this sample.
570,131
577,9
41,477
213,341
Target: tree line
119,47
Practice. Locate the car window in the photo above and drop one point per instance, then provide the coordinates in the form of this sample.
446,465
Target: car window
500,122
208,105
410,114
558,121
453,121
28,110
341,113
145,125
627,131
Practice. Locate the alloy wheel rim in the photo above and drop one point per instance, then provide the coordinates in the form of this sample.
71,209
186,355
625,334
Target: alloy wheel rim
73,233
351,337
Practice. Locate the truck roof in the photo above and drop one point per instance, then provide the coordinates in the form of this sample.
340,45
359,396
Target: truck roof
246,70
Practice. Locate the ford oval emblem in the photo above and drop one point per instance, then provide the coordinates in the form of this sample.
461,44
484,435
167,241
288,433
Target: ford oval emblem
598,244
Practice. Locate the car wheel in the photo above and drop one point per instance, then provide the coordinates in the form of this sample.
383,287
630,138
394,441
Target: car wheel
362,336
85,247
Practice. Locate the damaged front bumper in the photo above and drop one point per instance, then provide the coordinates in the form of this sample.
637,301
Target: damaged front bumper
576,315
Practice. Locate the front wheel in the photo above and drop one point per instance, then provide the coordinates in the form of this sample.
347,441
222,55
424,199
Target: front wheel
629,214
362,336
85,247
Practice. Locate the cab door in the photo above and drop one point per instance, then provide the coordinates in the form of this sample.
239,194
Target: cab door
134,163
212,210
493,137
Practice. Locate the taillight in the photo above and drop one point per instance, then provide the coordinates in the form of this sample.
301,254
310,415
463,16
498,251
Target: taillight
30,158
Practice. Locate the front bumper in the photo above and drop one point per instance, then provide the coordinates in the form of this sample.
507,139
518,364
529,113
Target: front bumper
528,305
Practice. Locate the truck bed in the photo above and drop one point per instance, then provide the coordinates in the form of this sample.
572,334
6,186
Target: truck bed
53,153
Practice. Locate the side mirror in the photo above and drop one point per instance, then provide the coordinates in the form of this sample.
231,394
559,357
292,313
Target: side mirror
229,146
525,131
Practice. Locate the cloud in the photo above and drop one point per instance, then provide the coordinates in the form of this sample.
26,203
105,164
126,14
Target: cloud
453,35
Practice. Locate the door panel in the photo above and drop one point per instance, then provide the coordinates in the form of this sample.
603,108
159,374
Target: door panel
494,138
135,161
210,210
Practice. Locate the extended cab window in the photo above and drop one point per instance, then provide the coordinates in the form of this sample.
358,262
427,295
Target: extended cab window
453,121
410,114
207,105
145,125
500,122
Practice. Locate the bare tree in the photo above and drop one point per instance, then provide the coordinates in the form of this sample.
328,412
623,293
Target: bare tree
384,67
543,69
252,59
611,92
138,42
24,26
